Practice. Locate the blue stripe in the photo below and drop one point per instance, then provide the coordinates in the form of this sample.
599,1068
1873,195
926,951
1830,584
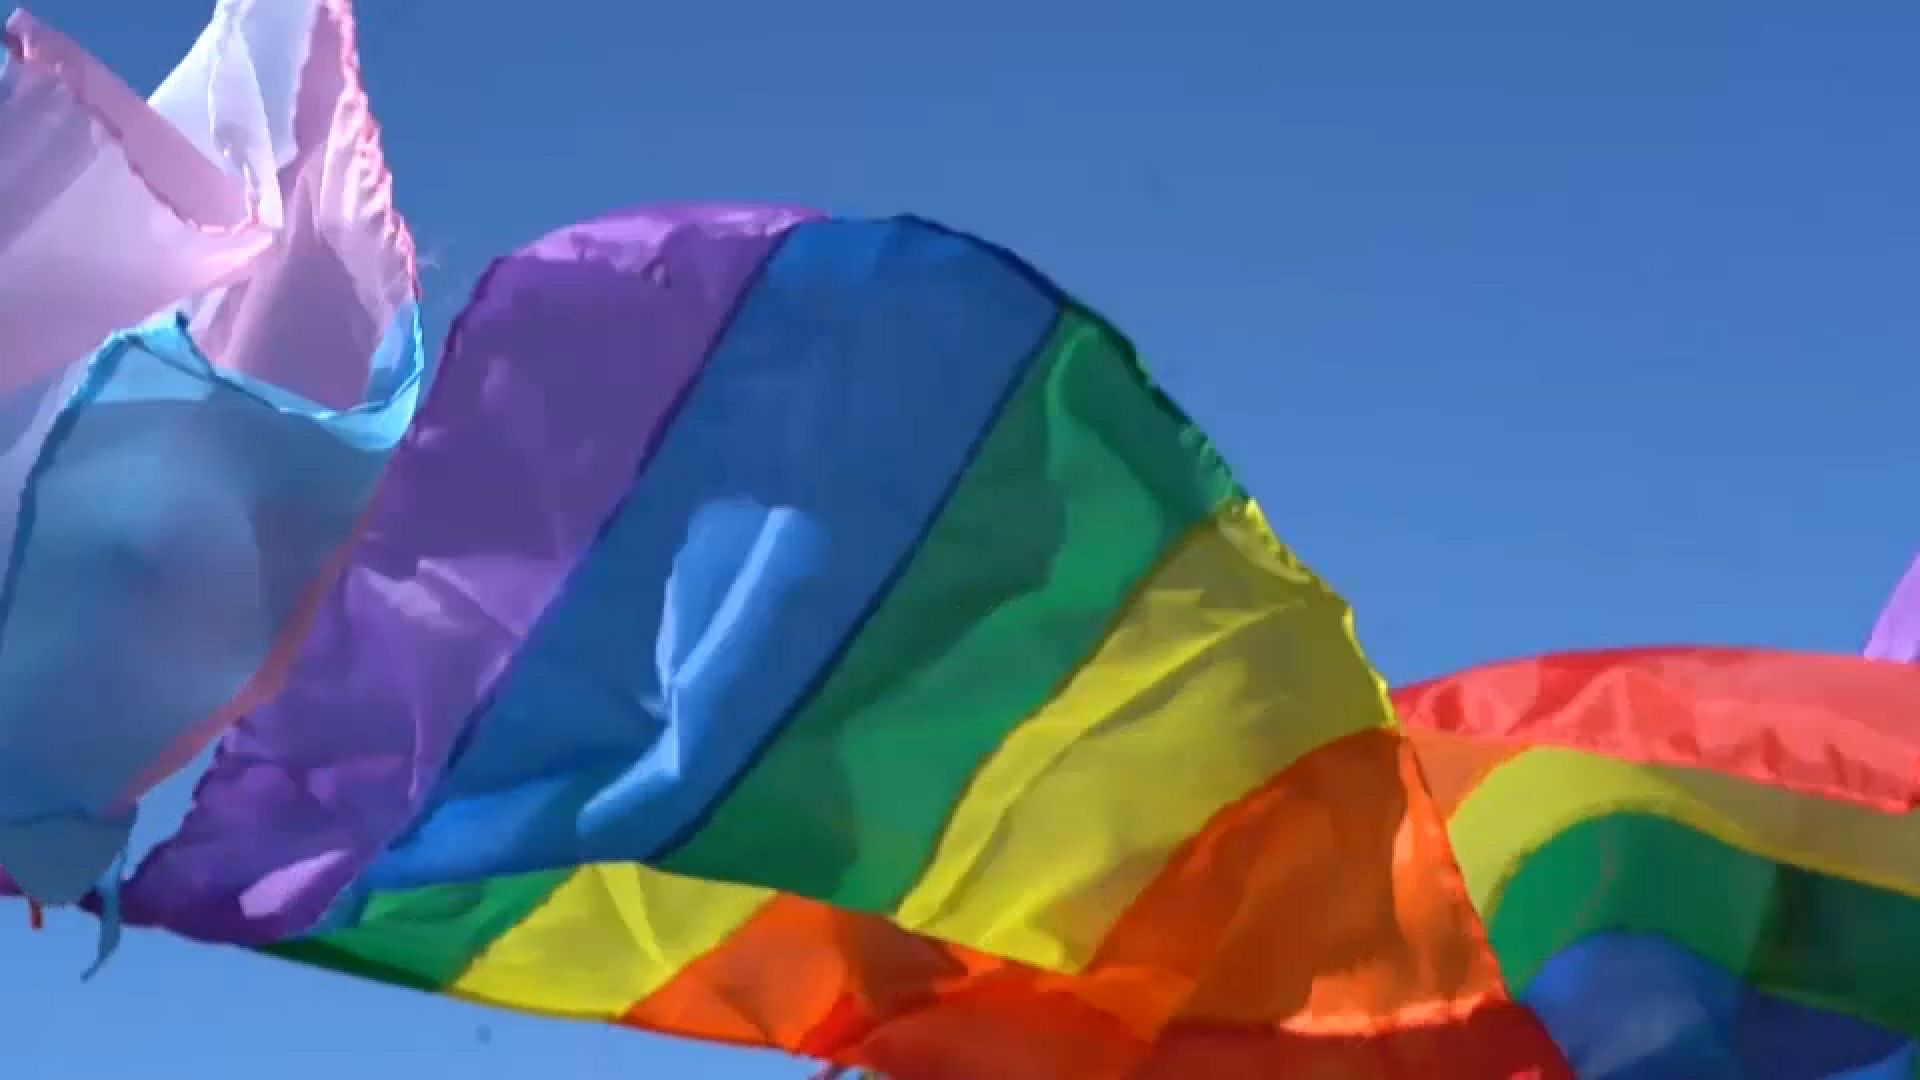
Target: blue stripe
1633,1006
830,424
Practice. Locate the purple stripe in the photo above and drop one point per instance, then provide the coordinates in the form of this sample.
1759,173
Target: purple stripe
556,383
1897,635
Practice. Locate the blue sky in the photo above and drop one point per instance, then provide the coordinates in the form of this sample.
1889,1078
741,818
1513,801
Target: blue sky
1533,325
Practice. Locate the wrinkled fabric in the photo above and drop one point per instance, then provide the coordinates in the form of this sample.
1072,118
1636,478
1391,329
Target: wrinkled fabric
108,212
1631,1006
1691,863
802,470
1832,726
534,431
176,499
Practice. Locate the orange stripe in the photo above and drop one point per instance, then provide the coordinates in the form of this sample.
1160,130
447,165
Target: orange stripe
1328,901
1455,764
1317,922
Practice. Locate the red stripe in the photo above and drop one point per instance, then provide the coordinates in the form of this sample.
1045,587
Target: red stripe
1839,727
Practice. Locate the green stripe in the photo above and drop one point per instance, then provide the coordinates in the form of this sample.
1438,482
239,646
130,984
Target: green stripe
1820,940
425,938
1087,479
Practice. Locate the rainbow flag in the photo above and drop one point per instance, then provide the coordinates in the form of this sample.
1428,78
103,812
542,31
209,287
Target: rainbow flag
1692,862
786,630
821,634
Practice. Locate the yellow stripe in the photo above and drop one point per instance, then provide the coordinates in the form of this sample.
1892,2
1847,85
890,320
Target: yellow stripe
1525,802
607,937
1233,662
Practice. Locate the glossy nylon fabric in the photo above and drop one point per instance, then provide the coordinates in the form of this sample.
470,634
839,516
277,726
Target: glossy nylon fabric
108,212
1294,917
555,384
1746,811
1698,1021
1088,482
1564,790
189,497
173,529
1232,659
832,420
1316,927
1806,933
1835,726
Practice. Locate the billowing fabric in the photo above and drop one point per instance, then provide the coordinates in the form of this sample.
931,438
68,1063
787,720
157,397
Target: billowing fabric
1314,928
1692,863
211,351
771,628
808,537
554,385
775,629
852,562
822,634
1691,1017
